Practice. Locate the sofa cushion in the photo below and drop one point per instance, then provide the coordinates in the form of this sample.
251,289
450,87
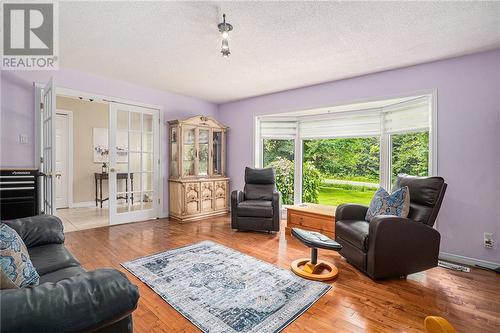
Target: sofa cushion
353,231
259,184
50,258
259,191
259,176
15,260
38,230
423,190
61,274
255,208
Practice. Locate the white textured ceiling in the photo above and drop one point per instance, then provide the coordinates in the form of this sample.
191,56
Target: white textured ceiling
275,46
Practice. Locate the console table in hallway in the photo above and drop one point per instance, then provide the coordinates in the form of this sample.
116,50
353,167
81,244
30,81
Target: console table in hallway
99,177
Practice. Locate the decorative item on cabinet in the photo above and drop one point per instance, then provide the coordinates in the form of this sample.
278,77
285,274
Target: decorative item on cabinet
198,186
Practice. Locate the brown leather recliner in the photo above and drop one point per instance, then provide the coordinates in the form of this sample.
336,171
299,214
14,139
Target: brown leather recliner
391,246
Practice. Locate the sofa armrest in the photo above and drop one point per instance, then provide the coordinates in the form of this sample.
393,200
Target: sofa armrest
276,210
400,246
38,230
236,198
350,211
87,301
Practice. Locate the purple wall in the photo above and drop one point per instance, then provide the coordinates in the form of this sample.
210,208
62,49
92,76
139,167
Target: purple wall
17,108
468,136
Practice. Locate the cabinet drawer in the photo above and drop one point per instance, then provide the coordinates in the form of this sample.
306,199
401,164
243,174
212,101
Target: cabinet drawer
310,222
220,194
191,191
207,190
220,189
191,198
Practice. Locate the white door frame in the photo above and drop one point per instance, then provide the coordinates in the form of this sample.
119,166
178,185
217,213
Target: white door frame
62,91
69,114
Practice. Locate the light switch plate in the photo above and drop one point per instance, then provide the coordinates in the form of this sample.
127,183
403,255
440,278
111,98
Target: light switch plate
23,139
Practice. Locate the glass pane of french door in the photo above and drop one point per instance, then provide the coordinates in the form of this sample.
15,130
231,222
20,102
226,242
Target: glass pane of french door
48,151
133,172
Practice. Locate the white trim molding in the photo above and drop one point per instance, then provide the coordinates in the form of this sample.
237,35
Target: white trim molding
467,261
86,204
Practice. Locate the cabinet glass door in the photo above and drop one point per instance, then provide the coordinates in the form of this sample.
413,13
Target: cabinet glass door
217,152
189,151
203,138
174,153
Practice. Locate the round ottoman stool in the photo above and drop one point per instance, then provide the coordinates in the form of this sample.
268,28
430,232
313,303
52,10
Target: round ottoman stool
312,268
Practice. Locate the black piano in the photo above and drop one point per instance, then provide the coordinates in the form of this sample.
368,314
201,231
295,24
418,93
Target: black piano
18,193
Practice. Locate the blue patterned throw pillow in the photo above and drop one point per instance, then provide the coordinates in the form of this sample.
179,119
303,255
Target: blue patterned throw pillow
14,258
397,203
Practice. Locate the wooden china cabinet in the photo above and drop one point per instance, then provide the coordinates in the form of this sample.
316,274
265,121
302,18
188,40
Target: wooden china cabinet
198,186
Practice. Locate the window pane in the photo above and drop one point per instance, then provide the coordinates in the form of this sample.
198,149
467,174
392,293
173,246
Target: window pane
337,171
280,155
410,154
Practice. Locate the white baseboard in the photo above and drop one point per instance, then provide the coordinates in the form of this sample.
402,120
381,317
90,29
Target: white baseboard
467,261
86,204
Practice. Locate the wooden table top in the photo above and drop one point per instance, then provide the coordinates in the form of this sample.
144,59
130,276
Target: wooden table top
324,210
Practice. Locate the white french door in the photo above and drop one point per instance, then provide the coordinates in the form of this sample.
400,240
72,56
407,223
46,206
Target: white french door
133,163
48,147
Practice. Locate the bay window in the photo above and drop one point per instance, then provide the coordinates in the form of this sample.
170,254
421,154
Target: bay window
344,153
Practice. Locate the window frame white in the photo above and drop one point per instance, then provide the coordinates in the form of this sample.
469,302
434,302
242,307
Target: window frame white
385,141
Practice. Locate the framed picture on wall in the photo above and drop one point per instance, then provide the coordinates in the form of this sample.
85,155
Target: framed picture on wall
101,149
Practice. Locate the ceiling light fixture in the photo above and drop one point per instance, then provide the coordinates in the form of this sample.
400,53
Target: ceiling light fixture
224,29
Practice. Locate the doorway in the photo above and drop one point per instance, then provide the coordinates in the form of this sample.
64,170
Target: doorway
78,121
103,165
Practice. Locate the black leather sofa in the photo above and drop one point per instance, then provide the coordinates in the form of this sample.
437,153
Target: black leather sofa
67,299
257,207
391,246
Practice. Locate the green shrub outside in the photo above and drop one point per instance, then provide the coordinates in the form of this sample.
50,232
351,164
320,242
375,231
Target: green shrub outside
311,181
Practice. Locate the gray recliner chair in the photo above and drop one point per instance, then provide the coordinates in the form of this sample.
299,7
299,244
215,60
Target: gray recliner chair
257,207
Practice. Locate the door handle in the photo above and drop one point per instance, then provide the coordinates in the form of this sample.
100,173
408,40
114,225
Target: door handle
112,170
58,175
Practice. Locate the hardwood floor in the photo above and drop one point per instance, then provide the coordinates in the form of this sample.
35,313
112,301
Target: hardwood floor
470,301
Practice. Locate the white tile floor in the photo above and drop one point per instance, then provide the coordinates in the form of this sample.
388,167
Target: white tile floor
91,217
83,218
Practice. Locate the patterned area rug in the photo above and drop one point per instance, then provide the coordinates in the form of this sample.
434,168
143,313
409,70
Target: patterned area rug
222,290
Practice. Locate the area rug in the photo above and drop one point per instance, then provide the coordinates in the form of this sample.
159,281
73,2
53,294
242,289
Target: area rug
219,289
